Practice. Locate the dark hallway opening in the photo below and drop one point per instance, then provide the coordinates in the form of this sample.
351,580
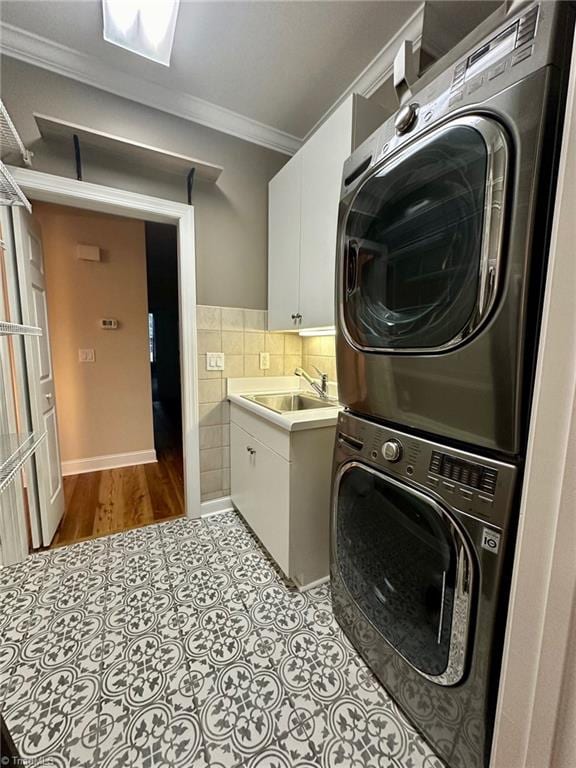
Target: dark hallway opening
164,333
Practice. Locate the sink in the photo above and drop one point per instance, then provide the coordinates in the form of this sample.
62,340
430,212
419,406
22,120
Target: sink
286,402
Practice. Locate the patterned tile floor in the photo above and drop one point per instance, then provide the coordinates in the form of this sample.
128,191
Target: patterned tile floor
179,644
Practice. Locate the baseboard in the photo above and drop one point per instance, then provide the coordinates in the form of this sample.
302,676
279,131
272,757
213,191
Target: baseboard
312,584
113,461
216,506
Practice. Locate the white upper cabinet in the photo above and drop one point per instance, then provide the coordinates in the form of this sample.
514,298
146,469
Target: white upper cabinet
322,160
302,219
284,243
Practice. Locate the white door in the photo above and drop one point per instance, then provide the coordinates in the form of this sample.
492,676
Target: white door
39,369
284,247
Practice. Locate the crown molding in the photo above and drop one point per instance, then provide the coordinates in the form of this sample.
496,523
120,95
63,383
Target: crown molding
32,49
381,68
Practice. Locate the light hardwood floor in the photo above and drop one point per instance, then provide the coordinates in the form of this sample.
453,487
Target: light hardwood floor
99,503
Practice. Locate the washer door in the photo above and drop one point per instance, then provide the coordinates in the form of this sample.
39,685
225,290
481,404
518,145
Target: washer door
420,241
407,567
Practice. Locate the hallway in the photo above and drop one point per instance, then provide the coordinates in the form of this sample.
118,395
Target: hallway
100,503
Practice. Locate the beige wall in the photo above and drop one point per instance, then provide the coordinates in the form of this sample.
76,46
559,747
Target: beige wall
104,407
565,736
240,334
230,216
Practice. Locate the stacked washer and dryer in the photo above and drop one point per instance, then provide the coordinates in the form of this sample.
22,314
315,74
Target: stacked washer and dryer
444,228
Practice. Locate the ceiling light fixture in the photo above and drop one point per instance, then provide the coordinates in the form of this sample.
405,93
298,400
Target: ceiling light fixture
145,27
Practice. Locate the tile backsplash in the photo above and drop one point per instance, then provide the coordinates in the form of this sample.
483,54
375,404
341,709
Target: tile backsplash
241,335
319,351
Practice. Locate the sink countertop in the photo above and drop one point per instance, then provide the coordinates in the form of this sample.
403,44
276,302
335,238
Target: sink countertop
291,421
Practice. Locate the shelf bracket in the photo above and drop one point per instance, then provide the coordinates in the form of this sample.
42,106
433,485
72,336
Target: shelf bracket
77,157
190,184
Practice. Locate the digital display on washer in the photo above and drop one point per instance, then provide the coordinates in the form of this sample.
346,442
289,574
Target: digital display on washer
497,48
464,472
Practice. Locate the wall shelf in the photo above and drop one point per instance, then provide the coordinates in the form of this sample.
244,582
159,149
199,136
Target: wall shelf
51,128
16,329
15,450
10,192
11,144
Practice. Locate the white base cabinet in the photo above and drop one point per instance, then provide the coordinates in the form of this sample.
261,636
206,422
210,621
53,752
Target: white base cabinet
280,484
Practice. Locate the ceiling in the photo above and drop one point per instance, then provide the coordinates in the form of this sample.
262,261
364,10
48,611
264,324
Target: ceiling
280,63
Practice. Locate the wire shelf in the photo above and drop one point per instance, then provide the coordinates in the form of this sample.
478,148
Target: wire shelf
16,329
10,192
10,142
15,450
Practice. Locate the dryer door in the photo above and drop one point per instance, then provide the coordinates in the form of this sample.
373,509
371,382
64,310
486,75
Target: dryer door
408,568
421,241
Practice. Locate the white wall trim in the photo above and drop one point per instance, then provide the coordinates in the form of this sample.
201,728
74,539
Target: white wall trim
112,461
381,67
216,506
544,578
81,194
33,49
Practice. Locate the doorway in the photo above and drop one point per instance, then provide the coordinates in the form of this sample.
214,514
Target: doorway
164,351
110,426
47,188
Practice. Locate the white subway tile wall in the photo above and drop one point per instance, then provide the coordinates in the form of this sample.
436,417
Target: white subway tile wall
241,335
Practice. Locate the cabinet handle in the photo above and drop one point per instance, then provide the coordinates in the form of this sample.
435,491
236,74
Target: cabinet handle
296,316
250,450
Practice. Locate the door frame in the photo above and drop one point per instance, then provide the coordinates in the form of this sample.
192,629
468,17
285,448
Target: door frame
536,709
49,188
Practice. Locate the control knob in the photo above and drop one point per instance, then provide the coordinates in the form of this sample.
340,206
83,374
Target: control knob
392,450
406,118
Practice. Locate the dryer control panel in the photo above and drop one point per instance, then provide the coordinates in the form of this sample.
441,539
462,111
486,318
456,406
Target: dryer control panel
517,48
488,58
472,484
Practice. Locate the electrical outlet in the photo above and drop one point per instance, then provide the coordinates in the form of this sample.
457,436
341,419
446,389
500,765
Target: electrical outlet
86,356
215,361
264,361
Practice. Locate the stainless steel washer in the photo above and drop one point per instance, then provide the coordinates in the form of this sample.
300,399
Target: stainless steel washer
421,538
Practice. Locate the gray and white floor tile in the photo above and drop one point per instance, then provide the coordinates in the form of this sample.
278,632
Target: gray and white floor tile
179,645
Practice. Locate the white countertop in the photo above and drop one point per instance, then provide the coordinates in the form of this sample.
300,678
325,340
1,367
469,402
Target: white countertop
291,421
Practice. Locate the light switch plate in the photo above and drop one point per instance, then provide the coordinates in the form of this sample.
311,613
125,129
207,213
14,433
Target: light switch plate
215,361
86,356
264,361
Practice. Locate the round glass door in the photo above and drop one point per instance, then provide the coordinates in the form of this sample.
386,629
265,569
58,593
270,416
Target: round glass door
419,256
406,567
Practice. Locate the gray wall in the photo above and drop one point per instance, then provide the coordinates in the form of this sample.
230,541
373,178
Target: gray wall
231,216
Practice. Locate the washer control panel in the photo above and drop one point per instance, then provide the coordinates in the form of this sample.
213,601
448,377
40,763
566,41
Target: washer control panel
473,484
466,473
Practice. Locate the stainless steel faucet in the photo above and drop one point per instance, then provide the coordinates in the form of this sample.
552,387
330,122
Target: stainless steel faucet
322,388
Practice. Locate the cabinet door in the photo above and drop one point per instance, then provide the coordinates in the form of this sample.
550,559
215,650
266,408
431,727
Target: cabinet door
323,157
260,482
284,246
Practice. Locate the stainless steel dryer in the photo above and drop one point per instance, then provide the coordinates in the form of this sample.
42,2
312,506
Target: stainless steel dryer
421,534
443,233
